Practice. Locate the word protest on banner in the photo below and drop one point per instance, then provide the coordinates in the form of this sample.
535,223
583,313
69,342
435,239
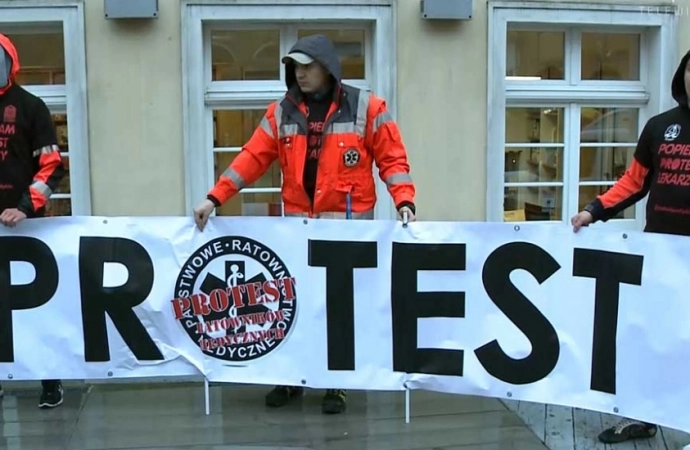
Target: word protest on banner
595,320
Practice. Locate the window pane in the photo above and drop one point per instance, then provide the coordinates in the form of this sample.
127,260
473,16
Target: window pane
532,203
233,128
536,54
609,125
59,207
589,193
251,204
245,55
64,186
534,125
604,163
610,56
41,56
264,204
271,179
60,121
530,165
349,44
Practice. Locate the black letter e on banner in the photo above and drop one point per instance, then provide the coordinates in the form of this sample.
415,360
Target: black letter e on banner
117,302
408,305
340,258
23,296
609,269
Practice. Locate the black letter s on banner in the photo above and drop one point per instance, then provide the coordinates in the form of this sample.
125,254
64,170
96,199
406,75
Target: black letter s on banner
116,302
609,269
24,296
522,312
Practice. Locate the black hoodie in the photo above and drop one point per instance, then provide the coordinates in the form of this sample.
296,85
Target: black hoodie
660,167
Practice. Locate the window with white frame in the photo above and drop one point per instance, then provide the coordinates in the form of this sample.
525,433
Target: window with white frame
570,92
50,45
244,56
242,74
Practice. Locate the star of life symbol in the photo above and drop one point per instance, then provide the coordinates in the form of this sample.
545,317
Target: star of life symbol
351,157
672,132
237,301
233,276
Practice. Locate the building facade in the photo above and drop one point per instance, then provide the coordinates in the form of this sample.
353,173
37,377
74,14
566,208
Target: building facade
525,111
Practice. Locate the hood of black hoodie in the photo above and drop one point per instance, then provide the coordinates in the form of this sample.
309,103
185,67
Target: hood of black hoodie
320,48
678,83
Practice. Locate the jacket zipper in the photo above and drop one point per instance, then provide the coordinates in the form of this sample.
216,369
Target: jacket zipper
327,122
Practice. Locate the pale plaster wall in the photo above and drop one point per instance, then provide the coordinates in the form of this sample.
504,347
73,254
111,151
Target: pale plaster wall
441,110
135,112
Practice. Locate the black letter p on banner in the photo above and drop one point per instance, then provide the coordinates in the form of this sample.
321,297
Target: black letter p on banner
23,296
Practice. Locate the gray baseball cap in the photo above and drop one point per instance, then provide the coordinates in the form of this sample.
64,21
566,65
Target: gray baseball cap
299,57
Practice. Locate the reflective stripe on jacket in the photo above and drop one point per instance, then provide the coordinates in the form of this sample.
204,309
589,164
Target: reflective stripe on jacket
359,132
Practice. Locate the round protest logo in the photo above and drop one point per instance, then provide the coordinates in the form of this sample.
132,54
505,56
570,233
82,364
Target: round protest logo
236,299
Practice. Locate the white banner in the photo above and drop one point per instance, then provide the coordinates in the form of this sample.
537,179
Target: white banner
596,320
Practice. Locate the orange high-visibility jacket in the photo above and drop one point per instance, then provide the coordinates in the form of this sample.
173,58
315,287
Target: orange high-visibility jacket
359,131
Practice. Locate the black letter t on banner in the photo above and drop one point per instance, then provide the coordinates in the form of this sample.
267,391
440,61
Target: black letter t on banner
407,305
116,302
609,269
340,258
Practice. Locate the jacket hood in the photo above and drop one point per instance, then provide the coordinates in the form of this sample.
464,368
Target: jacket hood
678,84
10,50
322,50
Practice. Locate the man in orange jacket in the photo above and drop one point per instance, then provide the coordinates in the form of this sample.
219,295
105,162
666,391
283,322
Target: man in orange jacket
326,136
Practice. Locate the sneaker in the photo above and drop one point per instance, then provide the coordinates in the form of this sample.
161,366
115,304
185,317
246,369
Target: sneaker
334,402
51,395
281,395
626,430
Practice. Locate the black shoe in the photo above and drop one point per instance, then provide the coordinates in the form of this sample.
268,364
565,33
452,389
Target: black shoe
2,392
51,395
626,430
334,401
281,395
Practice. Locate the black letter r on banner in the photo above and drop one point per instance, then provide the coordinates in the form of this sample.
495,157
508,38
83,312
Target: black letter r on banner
116,302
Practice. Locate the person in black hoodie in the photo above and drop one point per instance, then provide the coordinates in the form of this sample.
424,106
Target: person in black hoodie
30,163
660,168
